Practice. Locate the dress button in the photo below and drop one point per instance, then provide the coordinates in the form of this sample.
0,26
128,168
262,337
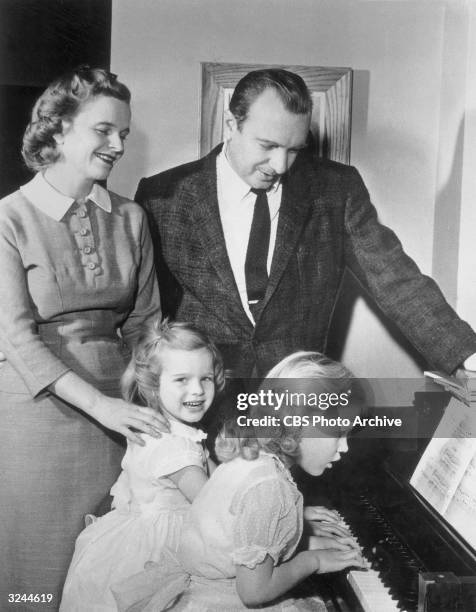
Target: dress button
91,265
87,250
83,232
82,214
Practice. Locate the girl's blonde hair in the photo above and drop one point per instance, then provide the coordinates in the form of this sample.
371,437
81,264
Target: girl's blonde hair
327,376
141,380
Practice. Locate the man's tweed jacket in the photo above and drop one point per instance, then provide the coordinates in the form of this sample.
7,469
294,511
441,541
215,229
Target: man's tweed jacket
326,222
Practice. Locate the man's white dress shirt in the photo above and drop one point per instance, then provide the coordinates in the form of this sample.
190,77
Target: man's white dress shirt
236,204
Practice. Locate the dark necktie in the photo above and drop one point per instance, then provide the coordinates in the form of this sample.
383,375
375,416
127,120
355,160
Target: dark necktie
256,272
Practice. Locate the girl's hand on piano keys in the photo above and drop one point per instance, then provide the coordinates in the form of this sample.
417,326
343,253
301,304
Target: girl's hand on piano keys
331,542
321,513
324,522
336,560
321,528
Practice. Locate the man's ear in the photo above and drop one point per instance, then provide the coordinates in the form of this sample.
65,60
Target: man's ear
231,124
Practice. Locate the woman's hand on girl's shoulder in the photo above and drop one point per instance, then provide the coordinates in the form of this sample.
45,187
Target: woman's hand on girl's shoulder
130,420
116,414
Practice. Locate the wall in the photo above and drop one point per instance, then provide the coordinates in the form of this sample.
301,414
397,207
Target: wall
403,61
466,295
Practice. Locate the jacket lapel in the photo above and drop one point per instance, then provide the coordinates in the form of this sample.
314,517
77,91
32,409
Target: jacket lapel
293,213
200,197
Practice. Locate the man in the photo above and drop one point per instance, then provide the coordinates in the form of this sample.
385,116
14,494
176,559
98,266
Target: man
259,271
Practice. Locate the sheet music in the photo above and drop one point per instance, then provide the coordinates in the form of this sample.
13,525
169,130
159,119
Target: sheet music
446,473
461,513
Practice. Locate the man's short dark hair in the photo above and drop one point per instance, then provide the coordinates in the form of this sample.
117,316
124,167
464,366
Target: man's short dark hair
289,86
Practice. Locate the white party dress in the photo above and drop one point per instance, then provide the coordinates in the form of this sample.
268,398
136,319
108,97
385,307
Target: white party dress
147,515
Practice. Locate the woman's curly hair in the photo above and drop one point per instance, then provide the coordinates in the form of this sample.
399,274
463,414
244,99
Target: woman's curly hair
60,102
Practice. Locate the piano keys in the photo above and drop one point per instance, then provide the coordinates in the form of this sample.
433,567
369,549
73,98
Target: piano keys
391,583
371,593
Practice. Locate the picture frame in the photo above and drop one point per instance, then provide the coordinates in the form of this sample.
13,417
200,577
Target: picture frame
331,91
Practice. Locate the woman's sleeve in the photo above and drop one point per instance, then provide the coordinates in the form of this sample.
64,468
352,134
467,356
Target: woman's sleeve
19,338
147,298
266,523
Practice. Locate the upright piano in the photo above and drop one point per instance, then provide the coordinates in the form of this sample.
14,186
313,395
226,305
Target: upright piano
419,562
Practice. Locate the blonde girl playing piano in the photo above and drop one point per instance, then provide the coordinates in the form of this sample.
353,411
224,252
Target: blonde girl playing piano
176,370
238,546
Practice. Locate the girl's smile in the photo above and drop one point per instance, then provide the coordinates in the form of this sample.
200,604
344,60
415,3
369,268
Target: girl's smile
187,384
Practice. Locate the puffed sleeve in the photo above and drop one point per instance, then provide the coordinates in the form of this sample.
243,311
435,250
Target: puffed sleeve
19,338
268,522
169,454
147,299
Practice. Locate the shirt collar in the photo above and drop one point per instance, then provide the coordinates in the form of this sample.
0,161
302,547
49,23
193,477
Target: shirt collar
55,204
186,431
233,182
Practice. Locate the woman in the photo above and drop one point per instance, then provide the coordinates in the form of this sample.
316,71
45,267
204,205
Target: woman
77,281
